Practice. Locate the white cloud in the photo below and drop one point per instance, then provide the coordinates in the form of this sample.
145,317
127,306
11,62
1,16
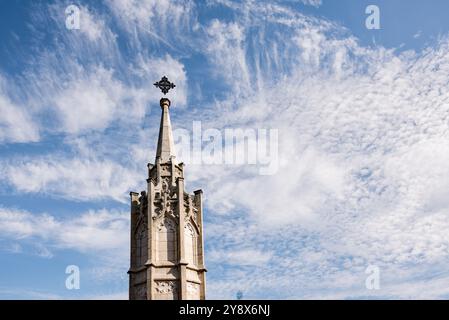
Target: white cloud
81,83
90,103
94,99
300,190
314,3
16,122
102,236
375,182
226,48
246,257
72,178
165,22
92,25
364,134
92,231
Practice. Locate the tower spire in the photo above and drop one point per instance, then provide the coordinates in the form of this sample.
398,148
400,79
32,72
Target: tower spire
165,144
166,236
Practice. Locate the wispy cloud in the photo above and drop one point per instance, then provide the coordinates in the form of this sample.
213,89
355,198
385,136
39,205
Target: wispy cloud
16,122
88,232
74,178
363,149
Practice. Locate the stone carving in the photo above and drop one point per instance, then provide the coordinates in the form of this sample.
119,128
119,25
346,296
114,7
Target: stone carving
165,287
191,211
143,198
143,206
195,214
165,205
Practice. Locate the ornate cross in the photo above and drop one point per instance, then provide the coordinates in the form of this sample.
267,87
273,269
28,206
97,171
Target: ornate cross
164,85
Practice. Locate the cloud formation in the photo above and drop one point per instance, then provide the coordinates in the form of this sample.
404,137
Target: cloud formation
88,232
16,122
363,146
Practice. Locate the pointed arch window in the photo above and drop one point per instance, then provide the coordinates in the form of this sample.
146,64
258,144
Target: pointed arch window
191,244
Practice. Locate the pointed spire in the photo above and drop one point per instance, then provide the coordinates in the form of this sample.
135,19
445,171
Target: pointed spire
165,144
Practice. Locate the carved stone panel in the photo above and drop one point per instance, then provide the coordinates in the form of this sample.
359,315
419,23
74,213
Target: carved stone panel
165,201
166,289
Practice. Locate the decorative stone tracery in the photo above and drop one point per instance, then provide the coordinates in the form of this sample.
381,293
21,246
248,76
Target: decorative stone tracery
165,287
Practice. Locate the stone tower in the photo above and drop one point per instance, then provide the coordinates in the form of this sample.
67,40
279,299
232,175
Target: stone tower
167,255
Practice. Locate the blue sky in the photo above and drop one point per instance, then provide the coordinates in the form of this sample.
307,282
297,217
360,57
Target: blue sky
363,121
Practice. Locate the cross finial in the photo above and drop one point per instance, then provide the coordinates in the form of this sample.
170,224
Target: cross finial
164,85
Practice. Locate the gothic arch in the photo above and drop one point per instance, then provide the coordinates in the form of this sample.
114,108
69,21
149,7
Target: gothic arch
166,240
191,243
